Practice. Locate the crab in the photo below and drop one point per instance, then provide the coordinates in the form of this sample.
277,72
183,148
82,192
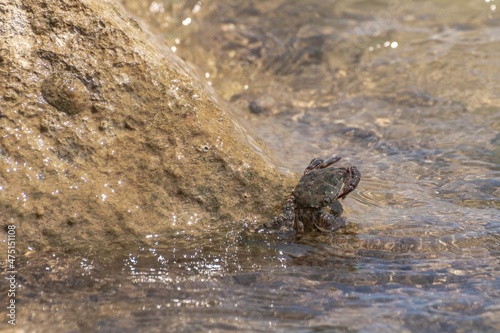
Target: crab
316,196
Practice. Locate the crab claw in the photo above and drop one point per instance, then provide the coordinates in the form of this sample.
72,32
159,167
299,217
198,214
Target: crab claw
330,161
314,164
330,223
351,183
318,163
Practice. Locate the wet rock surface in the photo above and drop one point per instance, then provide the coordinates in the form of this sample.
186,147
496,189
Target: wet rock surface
66,93
106,137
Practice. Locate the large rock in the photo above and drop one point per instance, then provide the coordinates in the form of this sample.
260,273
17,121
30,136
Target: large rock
106,137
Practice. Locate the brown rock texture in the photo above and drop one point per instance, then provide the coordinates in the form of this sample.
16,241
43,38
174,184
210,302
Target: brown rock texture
106,137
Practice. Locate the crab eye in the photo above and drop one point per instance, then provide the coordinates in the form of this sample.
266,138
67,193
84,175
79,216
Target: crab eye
326,200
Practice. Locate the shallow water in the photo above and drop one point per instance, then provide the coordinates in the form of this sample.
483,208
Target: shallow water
405,90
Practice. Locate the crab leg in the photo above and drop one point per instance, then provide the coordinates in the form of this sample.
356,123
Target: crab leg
350,185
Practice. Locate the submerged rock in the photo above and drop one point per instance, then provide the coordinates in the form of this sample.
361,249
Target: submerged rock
106,137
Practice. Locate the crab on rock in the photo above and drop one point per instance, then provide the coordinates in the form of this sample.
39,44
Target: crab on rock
316,195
